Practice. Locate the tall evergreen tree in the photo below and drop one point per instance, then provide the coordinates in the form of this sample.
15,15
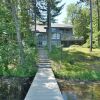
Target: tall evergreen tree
96,5
55,9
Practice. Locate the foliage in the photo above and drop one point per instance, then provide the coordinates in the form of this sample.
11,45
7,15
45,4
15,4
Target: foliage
9,61
81,23
71,10
77,63
78,14
95,41
15,21
54,6
17,44
79,17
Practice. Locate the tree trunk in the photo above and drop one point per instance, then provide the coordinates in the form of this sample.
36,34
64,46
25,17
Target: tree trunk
49,25
91,29
16,21
98,12
34,18
35,24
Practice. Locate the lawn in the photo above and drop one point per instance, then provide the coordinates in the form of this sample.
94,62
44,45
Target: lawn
76,63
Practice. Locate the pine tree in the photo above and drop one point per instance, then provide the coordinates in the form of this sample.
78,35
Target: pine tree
55,9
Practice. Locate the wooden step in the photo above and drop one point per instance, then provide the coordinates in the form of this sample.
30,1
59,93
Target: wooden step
44,66
44,61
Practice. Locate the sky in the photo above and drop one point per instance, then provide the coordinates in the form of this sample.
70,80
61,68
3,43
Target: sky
61,17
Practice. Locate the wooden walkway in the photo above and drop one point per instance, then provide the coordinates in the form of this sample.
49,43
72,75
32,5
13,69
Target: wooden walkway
44,85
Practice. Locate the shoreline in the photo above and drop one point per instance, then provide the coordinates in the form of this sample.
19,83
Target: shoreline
63,84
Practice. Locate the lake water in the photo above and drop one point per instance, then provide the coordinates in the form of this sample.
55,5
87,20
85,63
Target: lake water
14,88
81,92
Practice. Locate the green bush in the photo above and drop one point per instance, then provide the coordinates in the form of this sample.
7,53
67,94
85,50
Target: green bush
9,60
95,41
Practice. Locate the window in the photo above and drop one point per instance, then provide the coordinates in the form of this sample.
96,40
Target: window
53,30
55,36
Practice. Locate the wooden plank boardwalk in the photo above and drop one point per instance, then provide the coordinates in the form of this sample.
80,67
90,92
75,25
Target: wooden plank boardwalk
44,85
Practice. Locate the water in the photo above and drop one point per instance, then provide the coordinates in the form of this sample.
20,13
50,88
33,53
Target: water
13,88
16,88
81,92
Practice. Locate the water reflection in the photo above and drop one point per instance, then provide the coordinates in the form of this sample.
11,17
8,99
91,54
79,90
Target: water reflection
69,95
81,92
14,88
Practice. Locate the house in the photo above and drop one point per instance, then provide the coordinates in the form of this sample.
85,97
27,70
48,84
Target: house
60,33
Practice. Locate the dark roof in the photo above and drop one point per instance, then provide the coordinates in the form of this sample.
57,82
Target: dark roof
42,28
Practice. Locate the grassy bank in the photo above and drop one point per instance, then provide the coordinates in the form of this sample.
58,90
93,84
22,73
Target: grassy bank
76,63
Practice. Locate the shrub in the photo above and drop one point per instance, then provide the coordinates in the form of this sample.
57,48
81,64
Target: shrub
95,41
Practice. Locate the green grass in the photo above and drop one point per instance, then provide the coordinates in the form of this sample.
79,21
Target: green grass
76,63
